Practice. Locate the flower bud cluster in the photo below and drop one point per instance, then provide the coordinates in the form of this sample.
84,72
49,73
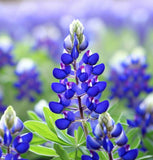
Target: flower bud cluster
28,83
11,125
78,88
130,79
105,132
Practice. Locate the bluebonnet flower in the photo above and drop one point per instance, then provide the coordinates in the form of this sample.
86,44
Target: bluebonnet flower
48,38
28,83
78,88
6,55
143,115
130,79
11,125
39,108
2,106
105,131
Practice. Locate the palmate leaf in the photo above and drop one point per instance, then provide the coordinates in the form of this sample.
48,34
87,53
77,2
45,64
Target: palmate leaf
41,129
33,116
37,140
61,152
42,150
50,118
148,142
134,137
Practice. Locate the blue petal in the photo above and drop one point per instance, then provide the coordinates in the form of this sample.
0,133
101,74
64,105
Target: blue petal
132,154
93,59
56,107
95,156
121,151
9,156
83,77
122,140
18,126
84,86
85,58
62,123
27,137
75,53
58,87
65,102
1,152
67,69
70,116
66,58
22,147
116,130
101,85
102,107
59,73
85,157
97,70
7,138
93,91
69,93
98,131
91,143
107,144
83,45
131,123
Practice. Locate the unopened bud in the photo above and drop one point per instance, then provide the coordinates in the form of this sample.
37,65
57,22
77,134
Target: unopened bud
9,117
107,120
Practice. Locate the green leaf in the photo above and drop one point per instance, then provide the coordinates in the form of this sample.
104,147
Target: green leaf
50,118
33,116
134,137
41,150
42,130
145,157
103,155
37,140
56,158
148,143
61,152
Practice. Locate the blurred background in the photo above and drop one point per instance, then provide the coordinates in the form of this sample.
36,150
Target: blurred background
35,30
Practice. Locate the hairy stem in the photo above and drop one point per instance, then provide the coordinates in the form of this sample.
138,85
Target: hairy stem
80,103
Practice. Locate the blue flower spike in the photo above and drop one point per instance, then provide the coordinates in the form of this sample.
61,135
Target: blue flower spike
79,91
10,125
28,83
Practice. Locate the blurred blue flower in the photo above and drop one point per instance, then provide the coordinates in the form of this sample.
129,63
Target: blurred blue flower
6,55
28,84
130,79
